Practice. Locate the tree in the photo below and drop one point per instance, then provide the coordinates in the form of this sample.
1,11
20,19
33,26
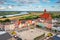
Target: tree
4,17
29,12
7,20
13,33
49,34
28,17
36,17
1,21
55,30
19,39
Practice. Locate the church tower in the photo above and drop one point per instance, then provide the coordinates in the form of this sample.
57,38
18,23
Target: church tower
45,11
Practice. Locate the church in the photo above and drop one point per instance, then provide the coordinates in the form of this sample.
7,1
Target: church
46,16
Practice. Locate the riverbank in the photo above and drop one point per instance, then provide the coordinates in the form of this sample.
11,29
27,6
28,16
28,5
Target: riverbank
20,16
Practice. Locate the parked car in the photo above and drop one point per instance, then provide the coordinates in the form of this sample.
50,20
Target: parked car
49,34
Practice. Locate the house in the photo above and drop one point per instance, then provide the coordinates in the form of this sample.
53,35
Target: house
54,21
9,27
5,36
56,28
56,37
46,19
58,20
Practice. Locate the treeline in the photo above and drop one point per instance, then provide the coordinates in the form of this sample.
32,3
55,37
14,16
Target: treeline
21,18
55,15
8,13
4,21
29,17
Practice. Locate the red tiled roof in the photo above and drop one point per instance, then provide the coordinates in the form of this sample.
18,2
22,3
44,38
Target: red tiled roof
19,22
46,15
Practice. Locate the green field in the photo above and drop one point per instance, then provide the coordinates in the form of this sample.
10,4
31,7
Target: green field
30,15
54,14
8,13
2,13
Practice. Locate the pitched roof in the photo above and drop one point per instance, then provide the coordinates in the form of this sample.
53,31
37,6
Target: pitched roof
46,15
5,36
56,37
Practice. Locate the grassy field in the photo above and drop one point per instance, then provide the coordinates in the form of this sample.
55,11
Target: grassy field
22,16
2,13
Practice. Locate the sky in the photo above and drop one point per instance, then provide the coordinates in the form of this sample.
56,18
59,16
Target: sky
29,5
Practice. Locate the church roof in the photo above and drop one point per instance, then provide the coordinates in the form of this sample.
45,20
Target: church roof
46,15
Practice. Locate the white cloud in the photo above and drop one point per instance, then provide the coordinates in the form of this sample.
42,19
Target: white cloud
46,0
2,8
29,8
27,1
10,7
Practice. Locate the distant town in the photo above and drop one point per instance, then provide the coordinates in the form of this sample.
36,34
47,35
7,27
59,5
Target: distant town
30,25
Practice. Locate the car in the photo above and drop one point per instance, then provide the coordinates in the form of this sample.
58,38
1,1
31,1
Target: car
49,34
2,29
15,36
19,38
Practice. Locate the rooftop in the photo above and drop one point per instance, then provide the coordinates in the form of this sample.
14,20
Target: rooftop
4,35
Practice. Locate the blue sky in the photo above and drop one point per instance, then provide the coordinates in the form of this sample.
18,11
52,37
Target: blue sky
29,5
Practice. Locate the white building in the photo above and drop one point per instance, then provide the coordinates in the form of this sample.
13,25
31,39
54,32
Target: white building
9,27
